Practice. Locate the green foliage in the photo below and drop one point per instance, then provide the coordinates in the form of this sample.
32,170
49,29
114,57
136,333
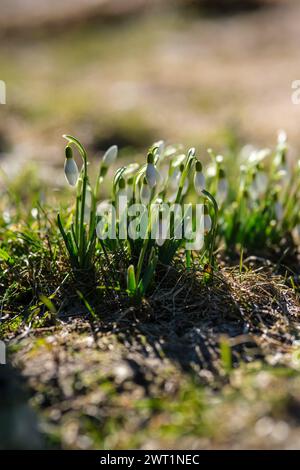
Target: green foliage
163,180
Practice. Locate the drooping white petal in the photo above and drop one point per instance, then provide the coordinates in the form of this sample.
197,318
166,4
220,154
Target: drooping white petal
199,182
160,147
222,190
129,191
261,182
145,194
282,137
258,155
71,171
207,223
103,207
178,160
130,169
110,155
151,175
211,171
174,179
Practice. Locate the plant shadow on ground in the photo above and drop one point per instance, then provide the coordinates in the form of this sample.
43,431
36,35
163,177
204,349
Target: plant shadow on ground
205,326
208,328
137,367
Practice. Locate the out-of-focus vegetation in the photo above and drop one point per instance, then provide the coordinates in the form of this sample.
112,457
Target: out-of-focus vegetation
165,73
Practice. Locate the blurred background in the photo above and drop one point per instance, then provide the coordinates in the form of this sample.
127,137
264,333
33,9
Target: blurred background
212,73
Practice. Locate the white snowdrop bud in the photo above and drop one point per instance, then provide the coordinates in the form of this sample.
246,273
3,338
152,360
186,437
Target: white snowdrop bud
260,183
71,168
145,193
199,179
152,175
174,179
282,137
222,190
207,224
130,169
103,207
110,155
160,146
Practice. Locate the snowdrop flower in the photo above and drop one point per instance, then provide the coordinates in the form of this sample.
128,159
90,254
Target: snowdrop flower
211,170
71,168
178,160
145,193
207,223
246,151
152,175
34,213
160,146
258,155
110,156
130,169
222,189
7,217
260,183
282,138
199,179
174,179
103,207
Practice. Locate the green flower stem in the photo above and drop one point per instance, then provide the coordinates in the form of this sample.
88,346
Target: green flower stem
215,222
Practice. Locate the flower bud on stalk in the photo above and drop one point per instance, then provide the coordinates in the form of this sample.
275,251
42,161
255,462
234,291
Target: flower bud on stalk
108,159
152,174
222,189
110,156
71,168
207,223
145,193
199,179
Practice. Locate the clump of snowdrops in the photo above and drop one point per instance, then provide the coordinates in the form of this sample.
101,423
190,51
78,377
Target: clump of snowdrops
251,204
259,206
166,177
